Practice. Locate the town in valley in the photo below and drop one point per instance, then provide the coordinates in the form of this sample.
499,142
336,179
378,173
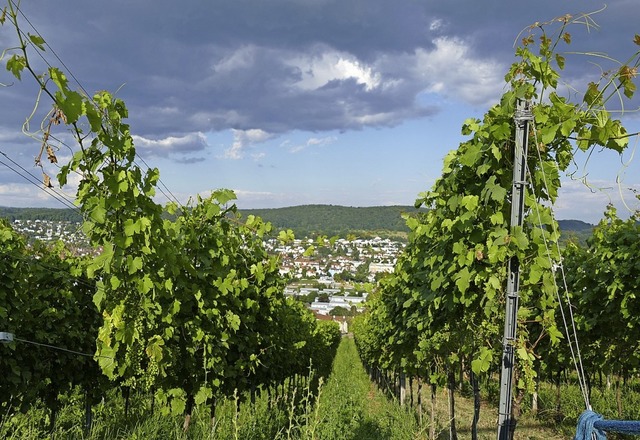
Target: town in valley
333,276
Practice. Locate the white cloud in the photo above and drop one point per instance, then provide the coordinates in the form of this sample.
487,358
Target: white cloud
320,69
436,24
27,195
374,119
588,202
265,199
17,190
11,135
253,194
313,142
171,145
244,139
452,70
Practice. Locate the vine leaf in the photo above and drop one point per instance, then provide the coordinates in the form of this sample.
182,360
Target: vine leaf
37,40
71,105
16,65
482,363
463,280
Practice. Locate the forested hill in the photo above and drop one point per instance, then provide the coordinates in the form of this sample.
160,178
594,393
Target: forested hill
53,214
334,220
303,220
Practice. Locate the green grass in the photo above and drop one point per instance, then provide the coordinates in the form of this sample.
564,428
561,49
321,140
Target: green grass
346,407
352,408
263,420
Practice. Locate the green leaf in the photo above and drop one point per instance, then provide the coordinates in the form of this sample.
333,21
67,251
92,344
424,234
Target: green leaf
463,280
535,274
471,156
5,235
95,121
519,238
593,95
59,79
482,362
123,185
501,131
98,297
567,127
286,236
470,202
548,133
178,404
106,359
176,307
71,104
16,65
213,210
524,313
555,334
154,348
37,41
98,214
145,284
497,218
524,354
203,394
133,264
223,196
495,191
130,227
470,125
102,261
233,320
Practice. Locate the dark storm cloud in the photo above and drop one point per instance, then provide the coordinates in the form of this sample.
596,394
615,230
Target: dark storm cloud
491,26
170,58
186,68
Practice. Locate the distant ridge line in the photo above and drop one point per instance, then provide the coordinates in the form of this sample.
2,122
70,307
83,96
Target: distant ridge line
303,219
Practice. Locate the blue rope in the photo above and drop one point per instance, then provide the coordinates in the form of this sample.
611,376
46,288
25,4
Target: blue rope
592,426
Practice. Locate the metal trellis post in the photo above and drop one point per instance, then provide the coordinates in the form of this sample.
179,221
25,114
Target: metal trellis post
506,424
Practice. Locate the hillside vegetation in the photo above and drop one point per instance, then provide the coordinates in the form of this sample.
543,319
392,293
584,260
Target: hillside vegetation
336,220
307,220
52,214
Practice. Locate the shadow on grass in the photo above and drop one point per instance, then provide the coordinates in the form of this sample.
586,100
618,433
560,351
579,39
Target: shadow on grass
525,430
370,430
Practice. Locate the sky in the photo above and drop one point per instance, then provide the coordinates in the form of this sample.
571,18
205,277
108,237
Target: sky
292,102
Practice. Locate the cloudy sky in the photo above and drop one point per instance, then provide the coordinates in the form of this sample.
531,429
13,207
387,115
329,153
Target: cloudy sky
293,102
